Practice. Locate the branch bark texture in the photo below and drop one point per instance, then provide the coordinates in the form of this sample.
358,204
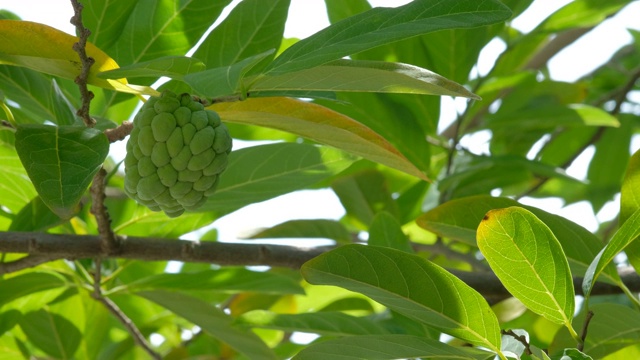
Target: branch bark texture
56,246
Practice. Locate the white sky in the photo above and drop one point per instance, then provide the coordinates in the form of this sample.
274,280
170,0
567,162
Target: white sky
308,16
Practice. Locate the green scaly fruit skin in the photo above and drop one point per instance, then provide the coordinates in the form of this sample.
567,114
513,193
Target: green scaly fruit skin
175,154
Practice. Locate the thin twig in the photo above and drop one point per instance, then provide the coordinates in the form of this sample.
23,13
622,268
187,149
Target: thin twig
115,310
585,327
120,132
85,61
25,263
521,338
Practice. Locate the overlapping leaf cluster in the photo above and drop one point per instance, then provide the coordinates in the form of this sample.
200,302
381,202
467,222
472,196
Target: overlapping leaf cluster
353,110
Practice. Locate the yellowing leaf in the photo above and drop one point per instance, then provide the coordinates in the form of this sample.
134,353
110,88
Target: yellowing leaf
319,124
49,50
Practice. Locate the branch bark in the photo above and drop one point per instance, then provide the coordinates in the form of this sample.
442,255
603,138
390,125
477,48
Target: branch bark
155,249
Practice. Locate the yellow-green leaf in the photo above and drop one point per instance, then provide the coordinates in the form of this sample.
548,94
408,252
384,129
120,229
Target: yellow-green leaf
49,50
319,124
529,261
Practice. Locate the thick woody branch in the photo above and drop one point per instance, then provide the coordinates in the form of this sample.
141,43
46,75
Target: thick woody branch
155,249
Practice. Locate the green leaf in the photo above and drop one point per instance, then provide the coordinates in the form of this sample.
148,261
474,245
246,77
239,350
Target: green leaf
52,333
529,261
411,286
312,228
612,328
171,66
211,320
363,195
262,172
458,219
156,29
252,27
574,354
582,14
318,124
628,232
607,167
35,216
225,80
324,323
133,219
630,203
485,173
106,19
221,280
385,231
9,319
28,283
380,26
48,50
15,187
404,120
388,347
33,92
362,76
553,116
61,162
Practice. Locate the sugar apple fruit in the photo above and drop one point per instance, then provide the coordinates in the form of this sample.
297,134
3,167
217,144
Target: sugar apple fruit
175,154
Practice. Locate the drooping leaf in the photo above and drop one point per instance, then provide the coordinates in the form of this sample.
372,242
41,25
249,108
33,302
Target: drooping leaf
458,219
411,286
262,172
252,27
628,233
52,333
388,347
385,230
51,51
324,323
170,66
404,120
529,261
15,187
363,195
221,280
61,162
318,124
362,76
613,327
28,283
33,91
305,228
380,26
211,320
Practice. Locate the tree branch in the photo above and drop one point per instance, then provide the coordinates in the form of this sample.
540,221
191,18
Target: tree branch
156,249
85,61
